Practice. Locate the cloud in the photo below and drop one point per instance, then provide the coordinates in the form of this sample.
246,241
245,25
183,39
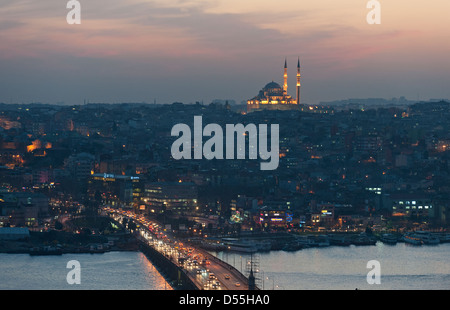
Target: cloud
215,46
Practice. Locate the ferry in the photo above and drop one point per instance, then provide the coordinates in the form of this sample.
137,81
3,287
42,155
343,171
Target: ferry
263,246
46,250
292,247
213,246
305,241
314,241
443,237
389,238
412,239
363,239
427,238
340,240
322,241
236,245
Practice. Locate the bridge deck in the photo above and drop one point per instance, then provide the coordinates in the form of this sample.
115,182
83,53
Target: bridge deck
229,277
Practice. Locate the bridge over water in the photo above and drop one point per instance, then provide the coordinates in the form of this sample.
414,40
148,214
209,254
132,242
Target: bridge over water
170,257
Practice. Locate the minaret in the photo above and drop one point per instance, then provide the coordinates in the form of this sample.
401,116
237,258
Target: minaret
285,86
298,81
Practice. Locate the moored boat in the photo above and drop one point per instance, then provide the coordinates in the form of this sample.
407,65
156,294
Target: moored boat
292,246
263,246
340,240
427,237
236,245
389,238
412,239
443,237
363,239
313,241
46,250
213,246
322,241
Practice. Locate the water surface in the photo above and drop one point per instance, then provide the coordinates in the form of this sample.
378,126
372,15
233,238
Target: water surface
403,267
108,271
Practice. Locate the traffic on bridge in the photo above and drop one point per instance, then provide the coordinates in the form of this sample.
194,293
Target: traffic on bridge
205,270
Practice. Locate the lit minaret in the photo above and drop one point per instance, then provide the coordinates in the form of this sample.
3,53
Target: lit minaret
285,85
298,81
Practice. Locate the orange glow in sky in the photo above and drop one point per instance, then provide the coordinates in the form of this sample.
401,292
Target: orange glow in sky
141,50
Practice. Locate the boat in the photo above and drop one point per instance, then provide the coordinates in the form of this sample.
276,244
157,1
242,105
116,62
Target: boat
313,241
443,237
46,250
427,237
213,246
292,246
305,241
412,239
339,240
97,248
322,241
263,246
276,245
389,238
363,239
236,245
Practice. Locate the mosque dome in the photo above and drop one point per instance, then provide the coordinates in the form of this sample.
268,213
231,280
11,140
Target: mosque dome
272,89
272,85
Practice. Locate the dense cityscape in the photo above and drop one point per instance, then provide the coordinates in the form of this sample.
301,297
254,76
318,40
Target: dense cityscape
215,146
348,169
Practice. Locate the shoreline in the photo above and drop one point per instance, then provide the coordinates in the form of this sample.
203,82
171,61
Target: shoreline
2,251
36,246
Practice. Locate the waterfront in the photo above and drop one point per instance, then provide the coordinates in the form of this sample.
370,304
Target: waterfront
403,267
108,271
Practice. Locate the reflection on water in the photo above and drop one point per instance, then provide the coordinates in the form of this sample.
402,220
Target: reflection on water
108,271
403,267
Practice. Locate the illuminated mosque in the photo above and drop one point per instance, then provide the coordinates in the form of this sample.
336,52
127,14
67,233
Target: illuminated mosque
275,97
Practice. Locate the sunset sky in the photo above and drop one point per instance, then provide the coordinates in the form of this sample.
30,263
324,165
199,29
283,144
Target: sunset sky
194,50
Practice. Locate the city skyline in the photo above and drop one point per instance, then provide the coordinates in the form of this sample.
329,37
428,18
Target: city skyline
224,145
198,50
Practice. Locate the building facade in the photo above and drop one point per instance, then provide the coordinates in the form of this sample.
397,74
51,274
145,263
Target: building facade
177,197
